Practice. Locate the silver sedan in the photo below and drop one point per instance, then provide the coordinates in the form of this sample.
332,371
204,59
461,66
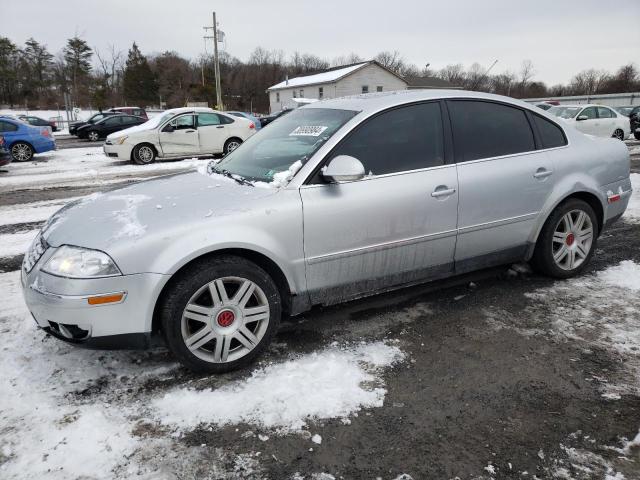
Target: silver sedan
337,200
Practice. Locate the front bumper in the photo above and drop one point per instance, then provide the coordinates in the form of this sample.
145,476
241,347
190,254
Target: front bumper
122,152
60,306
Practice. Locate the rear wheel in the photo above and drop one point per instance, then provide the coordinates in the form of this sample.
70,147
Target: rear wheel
93,136
144,154
619,134
637,135
567,240
21,152
220,314
231,144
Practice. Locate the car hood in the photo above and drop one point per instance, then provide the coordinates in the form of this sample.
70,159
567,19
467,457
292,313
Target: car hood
164,207
128,131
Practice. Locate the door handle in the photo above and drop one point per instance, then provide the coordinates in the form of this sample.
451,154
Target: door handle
542,173
189,131
442,192
221,126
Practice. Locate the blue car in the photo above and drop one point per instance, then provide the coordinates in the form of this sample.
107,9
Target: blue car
248,116
24,140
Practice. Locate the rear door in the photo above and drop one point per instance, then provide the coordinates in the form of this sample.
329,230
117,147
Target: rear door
182,136
504,181
211,133
395,226
607,120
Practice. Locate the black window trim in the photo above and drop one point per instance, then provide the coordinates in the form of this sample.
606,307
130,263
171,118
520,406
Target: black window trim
534,130
538,136
447,144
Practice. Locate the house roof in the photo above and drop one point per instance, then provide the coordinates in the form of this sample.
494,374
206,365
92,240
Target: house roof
428,82
328,76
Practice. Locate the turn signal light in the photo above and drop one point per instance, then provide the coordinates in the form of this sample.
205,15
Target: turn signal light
102,299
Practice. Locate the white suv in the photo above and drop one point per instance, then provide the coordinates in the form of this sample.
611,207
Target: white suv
180,132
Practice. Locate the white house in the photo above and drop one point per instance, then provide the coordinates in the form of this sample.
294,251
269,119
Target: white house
354,79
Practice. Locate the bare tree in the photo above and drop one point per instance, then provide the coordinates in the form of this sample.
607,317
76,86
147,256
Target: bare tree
454,74
526,74
346,60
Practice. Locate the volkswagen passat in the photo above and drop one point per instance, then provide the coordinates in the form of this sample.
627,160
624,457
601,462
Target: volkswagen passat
337,200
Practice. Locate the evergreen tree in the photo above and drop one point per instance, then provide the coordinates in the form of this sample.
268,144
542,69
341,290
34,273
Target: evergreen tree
9,59
77,57
37,63
139,83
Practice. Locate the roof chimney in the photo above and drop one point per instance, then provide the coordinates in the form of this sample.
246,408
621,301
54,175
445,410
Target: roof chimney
286,79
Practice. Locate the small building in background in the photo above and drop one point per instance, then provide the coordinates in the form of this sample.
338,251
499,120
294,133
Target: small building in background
341,81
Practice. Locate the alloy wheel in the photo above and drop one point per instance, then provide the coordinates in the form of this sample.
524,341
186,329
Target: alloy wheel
572,240
93,136
231,146
21,152
225,319
145,154
619,134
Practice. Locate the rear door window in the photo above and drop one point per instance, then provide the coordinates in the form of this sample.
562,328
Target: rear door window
207,119
487,129
398,140
604,112
551,135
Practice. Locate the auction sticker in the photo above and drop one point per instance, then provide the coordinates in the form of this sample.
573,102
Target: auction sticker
308,131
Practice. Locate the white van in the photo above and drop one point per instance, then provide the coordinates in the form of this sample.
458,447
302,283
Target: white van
180,132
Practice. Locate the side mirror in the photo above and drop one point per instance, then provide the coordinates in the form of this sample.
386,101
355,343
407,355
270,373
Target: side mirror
343,168
582,117
169,128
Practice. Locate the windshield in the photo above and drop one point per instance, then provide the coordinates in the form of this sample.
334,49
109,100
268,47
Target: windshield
292,138
564,112
159,119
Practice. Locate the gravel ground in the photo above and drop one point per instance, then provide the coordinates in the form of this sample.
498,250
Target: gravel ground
502,374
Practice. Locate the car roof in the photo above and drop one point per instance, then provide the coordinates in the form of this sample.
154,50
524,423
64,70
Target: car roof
373,102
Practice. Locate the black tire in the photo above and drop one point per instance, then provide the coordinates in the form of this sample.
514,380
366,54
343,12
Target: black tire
231,144
543,258
21,152
192,280
618,133
637,135
93,136
144,154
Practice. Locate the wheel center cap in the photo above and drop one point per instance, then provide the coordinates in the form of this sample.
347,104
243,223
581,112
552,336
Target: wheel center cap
570,239
225,318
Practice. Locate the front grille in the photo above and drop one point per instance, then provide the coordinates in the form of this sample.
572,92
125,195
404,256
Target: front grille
35,252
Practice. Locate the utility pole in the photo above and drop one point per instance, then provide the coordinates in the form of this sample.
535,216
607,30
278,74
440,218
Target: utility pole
216,61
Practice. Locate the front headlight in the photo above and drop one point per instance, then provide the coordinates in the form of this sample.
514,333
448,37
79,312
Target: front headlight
76,262
121,140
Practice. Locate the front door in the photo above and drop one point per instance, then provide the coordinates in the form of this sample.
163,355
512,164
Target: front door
587,121
504,182
180,136
398,224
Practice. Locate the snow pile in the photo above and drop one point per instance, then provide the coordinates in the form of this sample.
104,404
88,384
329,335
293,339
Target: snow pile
633,210
16,243
128,216
31,212
280,179
625,275
331,384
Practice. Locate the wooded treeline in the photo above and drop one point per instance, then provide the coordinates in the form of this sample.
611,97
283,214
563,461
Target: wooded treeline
33,77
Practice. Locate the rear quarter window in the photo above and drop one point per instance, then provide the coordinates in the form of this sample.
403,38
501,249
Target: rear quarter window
8,127
551,135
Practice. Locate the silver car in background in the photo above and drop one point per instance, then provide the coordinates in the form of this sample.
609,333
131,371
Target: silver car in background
337,200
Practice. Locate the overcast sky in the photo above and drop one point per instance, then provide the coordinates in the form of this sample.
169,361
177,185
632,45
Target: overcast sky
560,37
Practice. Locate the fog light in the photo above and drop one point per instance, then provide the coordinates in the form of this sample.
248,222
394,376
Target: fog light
102,299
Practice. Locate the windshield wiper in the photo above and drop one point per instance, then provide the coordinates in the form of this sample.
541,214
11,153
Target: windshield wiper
232,176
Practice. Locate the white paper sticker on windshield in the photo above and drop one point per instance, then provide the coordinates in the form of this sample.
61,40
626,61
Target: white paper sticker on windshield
308,131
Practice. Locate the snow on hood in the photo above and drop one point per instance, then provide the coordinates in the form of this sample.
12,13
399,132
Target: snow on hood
166,204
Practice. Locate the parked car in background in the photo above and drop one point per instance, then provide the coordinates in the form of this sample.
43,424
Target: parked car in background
39,122
634,122
107,126
180,132
546,105
135,111
362,195
625,110
24,140
5,154
597,120
96,117
270,118
248,116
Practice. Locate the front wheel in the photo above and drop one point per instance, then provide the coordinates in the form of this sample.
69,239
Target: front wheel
619,134
220,314
93,136
21,152
567,240
144,154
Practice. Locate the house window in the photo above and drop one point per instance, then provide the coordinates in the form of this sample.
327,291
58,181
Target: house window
278,97
379,88
294,94
301,93
365,89
320,93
